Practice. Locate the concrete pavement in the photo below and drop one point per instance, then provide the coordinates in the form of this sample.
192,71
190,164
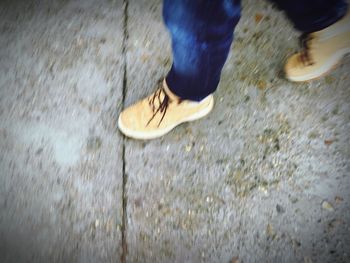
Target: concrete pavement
264,178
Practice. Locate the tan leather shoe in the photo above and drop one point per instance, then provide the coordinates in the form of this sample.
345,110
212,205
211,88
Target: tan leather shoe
322,50
159,113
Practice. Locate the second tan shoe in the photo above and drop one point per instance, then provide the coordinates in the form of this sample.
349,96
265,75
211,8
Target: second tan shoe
322,50
159,113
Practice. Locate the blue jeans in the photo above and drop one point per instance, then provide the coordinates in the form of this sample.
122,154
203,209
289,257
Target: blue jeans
202,32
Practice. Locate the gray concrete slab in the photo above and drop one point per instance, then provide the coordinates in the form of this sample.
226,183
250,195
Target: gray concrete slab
264,178
60,162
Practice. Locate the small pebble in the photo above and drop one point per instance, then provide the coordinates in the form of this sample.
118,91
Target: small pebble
270,232
294,200
280,209
258,17
338,199
327,206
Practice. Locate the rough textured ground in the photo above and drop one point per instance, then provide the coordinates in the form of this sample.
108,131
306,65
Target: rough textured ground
61,177
265,178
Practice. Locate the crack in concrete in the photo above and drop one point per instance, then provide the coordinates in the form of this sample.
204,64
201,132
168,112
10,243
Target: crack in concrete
125,177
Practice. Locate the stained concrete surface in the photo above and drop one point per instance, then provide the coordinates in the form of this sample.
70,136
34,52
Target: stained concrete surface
264,178
248,182
60,87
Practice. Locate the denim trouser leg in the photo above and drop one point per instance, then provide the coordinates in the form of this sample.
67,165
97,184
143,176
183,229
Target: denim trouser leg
312,15
202,32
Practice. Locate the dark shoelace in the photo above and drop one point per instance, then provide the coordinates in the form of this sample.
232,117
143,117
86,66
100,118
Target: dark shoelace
162,104
304,41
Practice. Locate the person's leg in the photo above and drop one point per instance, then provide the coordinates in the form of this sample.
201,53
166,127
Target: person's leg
313,15
325,39
201,33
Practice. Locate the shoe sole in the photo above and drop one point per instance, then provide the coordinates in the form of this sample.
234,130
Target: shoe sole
159,133
324,70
